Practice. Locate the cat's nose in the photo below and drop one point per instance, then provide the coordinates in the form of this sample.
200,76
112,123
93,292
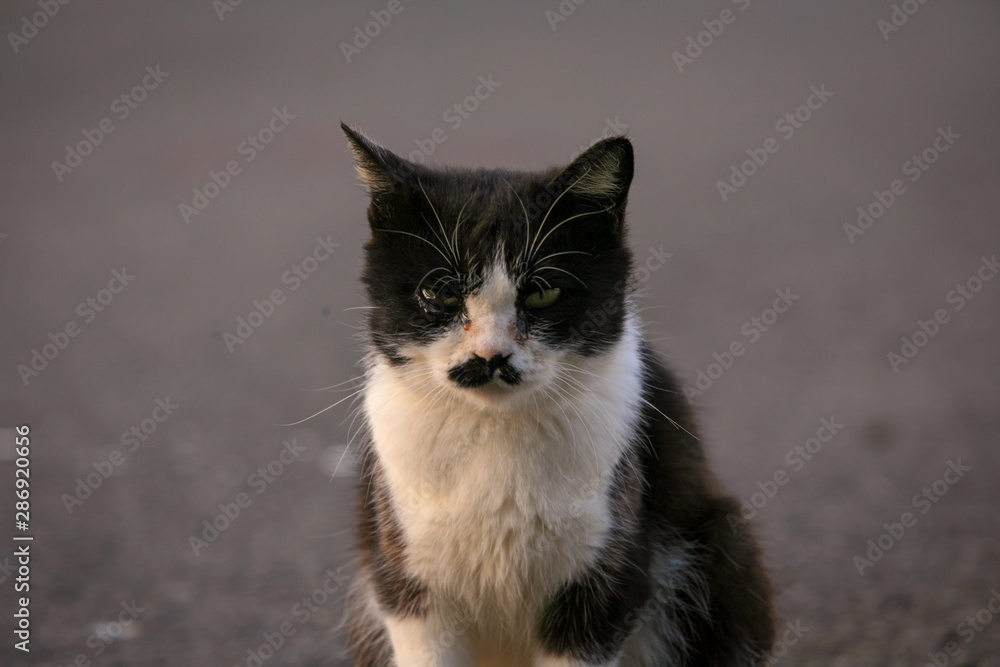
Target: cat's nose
496,361
477,371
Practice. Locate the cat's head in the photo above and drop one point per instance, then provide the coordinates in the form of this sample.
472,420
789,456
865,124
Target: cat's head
487,282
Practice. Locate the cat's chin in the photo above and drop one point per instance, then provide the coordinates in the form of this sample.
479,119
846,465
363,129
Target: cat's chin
495,394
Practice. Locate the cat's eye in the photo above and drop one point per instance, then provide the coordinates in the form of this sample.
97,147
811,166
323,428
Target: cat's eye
542,298
445,298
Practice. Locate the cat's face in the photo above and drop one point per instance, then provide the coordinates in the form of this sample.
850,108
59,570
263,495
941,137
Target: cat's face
490,284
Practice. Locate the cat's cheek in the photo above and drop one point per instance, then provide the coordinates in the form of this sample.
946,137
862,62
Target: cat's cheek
534,362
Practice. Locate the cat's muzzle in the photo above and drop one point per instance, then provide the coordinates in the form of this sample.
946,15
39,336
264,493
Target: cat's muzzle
477,371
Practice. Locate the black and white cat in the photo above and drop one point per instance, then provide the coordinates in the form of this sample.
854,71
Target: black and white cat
532,492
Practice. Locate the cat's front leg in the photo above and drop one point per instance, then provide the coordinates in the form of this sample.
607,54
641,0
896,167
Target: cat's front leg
430,642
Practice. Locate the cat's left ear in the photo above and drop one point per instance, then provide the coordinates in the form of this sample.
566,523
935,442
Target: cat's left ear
380,169
603,172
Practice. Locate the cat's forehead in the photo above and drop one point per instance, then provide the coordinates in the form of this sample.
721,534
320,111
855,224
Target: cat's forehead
483,195
497,289
484,215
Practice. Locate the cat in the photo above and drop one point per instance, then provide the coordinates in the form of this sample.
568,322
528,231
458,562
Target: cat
532,488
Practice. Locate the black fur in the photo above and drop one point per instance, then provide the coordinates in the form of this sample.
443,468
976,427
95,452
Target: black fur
433,234
478,371
498,208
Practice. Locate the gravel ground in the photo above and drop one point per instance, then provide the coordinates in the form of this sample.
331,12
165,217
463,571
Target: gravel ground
232,111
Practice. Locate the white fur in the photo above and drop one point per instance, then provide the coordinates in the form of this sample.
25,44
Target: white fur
428,642
500,491
658,635
602,178
492,319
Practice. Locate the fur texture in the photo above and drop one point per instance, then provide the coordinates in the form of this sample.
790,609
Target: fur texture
532,490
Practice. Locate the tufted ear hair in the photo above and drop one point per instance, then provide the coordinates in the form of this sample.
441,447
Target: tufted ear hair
603,171
381,170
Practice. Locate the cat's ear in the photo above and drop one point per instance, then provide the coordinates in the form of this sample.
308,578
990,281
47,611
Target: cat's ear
381,170
603,171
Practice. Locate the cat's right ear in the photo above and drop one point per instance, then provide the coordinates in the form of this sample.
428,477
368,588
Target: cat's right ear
381,170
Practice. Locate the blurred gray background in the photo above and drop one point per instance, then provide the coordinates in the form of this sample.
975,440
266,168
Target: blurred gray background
557,86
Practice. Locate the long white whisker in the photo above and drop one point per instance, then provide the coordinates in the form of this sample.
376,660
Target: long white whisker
333,386
541,226
458,223
641,398
565,252
323,410
437,268
417,236
527,222
572,217
444,236
556,268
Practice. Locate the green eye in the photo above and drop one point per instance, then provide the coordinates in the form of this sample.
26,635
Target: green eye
542,298
448,300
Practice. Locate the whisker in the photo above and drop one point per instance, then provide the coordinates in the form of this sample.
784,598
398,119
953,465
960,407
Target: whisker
333,386
435,269
458,223
541,226
638,396
321,411
570,274
527,223
416,236
536,279
444,236
565,252
572,217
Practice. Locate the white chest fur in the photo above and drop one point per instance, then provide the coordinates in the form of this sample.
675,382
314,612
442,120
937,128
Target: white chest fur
501,507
